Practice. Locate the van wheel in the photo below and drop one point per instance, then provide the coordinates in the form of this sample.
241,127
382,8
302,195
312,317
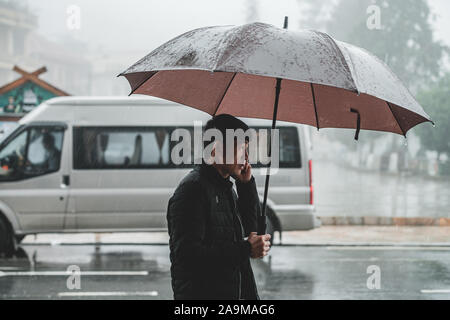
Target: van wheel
272,224
8,243
19,238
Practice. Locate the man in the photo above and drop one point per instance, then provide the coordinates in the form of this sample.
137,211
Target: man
208,223
10,107
52,154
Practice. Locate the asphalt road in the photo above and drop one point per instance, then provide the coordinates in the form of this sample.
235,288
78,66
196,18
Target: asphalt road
295,272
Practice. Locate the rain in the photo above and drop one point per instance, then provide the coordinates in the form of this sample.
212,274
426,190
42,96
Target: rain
87,113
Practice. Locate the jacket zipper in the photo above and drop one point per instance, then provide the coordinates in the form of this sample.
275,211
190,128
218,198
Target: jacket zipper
242,235
240,284
236,215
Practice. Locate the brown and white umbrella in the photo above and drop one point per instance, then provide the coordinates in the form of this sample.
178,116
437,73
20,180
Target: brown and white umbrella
260,71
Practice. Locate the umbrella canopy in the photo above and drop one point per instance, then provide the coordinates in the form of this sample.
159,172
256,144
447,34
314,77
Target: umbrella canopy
234,69
260,71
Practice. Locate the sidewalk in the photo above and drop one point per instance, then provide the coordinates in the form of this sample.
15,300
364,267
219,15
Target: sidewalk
371,235
324,236
384,221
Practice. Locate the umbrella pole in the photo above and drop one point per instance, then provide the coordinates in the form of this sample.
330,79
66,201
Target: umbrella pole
262,223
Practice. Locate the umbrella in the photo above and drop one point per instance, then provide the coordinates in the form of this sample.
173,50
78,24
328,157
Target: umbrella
260,71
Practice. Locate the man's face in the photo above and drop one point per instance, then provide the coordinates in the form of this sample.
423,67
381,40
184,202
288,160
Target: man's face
240,157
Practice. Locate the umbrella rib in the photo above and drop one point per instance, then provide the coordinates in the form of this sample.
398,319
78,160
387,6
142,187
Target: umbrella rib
224,93
140,84
315,106
395,117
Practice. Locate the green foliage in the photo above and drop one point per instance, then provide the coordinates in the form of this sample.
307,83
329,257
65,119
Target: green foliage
405,41
436,101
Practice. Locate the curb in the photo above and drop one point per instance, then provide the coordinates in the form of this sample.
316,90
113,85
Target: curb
410,245
400,245
384,221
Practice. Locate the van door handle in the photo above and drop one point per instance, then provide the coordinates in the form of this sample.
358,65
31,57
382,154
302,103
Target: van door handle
65,181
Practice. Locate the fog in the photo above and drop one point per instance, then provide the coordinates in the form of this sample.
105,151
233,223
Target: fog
140,26
84,55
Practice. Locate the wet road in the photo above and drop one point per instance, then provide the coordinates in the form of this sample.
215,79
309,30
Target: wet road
133,271
341,191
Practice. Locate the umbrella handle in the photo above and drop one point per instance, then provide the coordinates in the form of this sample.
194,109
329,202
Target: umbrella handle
358,123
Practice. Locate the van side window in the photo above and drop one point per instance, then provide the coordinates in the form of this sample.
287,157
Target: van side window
289,147
36,151
121,148
150,148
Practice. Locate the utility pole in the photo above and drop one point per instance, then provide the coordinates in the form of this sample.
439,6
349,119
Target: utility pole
252,12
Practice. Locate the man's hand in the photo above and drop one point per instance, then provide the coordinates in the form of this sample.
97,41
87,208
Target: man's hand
260,245
246,173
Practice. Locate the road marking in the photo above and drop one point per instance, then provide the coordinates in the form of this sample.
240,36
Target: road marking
109,294
435,291
390,248
66,273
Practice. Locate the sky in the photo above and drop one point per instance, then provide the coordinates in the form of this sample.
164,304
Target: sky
135,25
127,30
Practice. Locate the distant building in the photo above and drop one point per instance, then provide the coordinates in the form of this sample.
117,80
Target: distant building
106,67
21,45
15,26
24,94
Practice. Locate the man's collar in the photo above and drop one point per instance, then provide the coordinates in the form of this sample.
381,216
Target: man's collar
215,176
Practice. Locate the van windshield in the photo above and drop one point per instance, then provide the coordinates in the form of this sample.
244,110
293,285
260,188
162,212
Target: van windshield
6,128
32,152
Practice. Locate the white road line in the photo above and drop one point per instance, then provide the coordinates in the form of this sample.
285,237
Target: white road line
435,291
109,294
66,273
359,248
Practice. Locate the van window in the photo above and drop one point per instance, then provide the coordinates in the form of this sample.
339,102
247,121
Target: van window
289,147
150,147
121,148
33,152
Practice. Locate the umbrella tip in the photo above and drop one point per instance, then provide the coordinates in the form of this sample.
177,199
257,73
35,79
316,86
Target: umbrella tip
286,22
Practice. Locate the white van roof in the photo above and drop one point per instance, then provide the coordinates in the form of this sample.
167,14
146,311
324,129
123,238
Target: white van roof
122,111
108,101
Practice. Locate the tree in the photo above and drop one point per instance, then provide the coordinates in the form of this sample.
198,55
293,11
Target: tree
404,41
436,100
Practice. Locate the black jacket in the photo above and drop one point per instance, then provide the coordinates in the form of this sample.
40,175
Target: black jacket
207,225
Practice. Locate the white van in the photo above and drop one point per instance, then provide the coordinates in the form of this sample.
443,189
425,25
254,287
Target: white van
91,164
